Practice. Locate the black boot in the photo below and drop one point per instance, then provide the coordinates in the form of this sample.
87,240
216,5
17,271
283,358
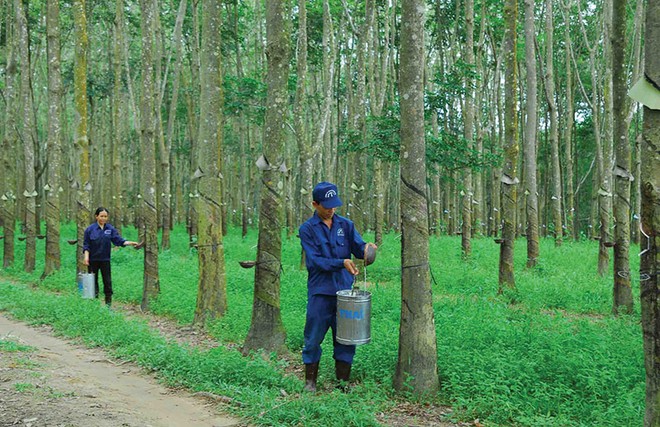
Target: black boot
343,372
311,373
108,300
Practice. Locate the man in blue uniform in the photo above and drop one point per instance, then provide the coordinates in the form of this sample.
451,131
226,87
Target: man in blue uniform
328,240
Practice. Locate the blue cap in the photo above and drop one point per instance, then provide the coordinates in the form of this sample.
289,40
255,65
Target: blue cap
325,193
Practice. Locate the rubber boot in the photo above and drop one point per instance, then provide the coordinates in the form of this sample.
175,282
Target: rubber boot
311,373
343,372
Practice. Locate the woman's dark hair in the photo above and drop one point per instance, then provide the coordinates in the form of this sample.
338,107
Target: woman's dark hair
99,210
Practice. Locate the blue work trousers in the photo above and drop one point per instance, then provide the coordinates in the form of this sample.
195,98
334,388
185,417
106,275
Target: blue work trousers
104,267
321,315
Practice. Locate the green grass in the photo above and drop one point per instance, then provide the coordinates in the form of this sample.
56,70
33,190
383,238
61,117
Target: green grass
556,357
25,387
10,346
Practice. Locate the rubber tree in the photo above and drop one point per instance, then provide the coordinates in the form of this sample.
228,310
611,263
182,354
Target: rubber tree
117,109
623,299
212,285
468,191
26,136
553,114
650,257
417,366
509,179
529,147
82,183
266,329
9,146
147,204
54,143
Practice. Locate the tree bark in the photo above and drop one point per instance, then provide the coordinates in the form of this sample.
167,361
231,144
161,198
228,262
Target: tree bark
479,204
54,144
359,185
497,135
305,151
26,137
555,196
329,59
82,184
531,126
416,370
267,330
649,269
509,178
9,146
117,113
212,286
601,204
147,205
605,191
572,228
623,299
466,235
635,113
193,115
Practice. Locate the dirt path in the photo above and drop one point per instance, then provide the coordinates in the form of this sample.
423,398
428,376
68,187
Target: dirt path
63,384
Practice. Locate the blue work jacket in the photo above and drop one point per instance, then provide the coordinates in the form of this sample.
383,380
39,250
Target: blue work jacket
325,251
97,241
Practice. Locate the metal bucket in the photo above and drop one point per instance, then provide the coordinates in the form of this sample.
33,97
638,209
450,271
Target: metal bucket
79,283
86,285
353,317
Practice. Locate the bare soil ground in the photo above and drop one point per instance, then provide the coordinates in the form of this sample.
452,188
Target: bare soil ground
61,383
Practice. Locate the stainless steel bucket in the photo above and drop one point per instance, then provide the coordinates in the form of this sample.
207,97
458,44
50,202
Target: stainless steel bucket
86,285
353,317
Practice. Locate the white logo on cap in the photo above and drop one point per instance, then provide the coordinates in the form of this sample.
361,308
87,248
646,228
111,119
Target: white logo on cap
330,194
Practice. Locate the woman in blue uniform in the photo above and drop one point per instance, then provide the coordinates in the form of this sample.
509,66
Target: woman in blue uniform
329,240
96,250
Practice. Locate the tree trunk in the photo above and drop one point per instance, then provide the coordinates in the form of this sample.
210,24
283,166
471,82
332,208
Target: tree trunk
649,269
509,177
329,59
9,146
497,135
635,113
572,228
359,207
623,299
479,204
54,144
531,126
117,113
466,235
605,191
171,117
212,287
305,151
555,196
82,185
147,205
416,369
193,116
267,330
26,134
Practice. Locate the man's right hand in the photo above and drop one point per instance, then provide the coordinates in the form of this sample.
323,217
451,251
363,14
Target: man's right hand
351,267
